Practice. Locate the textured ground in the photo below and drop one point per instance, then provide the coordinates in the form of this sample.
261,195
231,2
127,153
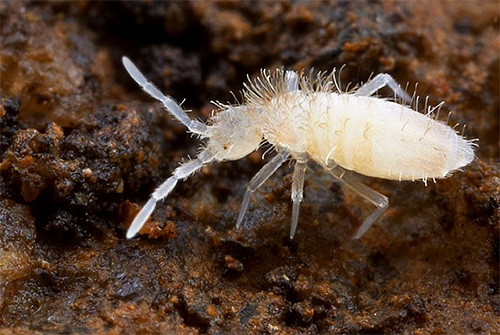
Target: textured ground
82,147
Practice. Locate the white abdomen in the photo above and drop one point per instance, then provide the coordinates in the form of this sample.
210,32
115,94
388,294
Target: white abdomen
371,136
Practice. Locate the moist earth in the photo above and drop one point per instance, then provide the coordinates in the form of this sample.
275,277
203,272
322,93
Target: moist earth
82,147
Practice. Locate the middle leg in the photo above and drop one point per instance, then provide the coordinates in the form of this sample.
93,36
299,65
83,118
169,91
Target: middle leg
297,192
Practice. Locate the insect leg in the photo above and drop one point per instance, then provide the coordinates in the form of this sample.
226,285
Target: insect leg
379,81
194,126
292,81
182,172
297,192
369,194
267,170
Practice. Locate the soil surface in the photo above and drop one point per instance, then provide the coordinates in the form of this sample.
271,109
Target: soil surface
82,147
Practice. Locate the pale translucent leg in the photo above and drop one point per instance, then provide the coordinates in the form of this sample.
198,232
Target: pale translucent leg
182,172
193,125
297,193
372,196
267,170
379,81
292,81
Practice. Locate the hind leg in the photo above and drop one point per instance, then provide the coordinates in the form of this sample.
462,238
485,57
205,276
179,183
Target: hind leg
379,81
369,194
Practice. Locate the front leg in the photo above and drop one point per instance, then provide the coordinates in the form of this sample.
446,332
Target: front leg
267,170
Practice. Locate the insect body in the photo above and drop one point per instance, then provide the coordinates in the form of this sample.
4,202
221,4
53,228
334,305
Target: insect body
371,136
306,118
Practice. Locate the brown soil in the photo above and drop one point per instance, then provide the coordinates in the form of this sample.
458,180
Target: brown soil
82,147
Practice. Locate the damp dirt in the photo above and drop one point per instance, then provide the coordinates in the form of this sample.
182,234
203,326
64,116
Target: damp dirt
82,147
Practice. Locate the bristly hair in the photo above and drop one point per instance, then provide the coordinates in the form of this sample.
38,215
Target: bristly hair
269,85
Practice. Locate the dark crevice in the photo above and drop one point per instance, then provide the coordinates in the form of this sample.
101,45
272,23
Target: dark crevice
192,318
